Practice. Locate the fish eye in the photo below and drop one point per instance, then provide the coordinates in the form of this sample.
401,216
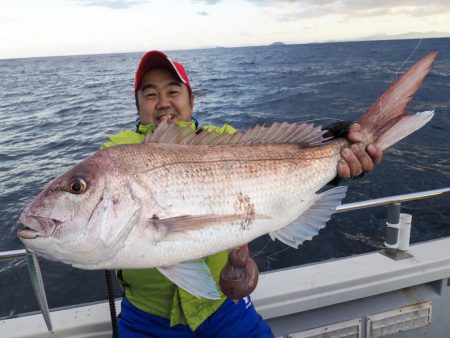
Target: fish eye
77,186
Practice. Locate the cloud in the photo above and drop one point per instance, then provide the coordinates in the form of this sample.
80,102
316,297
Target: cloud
7,20
297,9
114,4
203,13
208,2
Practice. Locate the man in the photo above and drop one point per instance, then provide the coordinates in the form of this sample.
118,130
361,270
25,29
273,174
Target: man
153,306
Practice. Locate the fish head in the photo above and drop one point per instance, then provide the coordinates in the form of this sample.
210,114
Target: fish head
84,215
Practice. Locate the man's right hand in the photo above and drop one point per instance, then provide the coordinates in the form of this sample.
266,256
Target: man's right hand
355,160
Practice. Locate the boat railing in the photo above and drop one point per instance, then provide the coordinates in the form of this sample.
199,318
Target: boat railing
396,243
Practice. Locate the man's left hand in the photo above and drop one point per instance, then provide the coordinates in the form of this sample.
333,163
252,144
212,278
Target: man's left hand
356,161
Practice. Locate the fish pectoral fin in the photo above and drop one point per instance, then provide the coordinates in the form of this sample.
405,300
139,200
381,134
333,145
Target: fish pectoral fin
191,222
193,277
312,220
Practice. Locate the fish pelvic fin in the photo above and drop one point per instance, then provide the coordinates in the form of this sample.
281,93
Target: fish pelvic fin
385,122
193,277
312,220
304,134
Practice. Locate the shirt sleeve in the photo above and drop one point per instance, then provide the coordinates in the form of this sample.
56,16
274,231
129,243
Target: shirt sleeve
123,137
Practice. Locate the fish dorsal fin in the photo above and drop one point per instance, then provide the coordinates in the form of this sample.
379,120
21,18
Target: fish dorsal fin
312,220
169,133
304,134
193,277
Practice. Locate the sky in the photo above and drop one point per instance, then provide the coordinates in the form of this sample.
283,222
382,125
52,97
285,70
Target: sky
30,28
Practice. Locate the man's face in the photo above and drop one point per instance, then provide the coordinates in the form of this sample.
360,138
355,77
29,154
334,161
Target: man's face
163,97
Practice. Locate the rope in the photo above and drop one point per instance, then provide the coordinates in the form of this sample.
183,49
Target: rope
112,303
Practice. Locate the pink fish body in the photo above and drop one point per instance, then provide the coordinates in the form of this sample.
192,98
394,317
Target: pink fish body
182,195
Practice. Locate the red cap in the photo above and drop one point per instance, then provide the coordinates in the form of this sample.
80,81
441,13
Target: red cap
157,59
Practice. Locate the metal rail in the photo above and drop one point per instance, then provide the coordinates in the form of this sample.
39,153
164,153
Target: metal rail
13,255
392,199
36,276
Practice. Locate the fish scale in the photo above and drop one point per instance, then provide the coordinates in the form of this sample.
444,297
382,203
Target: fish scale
197,186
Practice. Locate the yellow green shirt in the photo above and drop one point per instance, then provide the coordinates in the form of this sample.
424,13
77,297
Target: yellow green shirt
148,289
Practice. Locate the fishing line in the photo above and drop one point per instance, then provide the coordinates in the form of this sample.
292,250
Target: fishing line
407,59
263,248
270,257
278,252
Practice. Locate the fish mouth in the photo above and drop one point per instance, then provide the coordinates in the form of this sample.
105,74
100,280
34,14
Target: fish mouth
37,226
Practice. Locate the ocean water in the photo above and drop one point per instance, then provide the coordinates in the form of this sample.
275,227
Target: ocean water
56,111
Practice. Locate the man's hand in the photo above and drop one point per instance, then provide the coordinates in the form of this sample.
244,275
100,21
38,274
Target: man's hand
356,161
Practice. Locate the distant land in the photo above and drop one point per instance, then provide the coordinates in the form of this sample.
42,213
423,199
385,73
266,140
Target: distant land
403,36
377,37
210,47
382,37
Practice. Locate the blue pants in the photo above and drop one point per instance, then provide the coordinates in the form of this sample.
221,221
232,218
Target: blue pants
230,320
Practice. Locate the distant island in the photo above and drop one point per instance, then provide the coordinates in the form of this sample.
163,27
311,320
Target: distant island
278,43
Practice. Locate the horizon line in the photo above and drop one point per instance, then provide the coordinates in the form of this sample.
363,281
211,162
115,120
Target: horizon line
278,43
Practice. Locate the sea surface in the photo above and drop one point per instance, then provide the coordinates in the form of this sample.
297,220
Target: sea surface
56,111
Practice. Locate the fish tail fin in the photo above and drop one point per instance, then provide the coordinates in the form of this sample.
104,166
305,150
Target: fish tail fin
385,122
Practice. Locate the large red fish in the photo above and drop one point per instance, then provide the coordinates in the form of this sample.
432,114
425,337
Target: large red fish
182,195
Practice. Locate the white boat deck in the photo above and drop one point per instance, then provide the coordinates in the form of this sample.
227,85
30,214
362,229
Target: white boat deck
332,282
349,290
